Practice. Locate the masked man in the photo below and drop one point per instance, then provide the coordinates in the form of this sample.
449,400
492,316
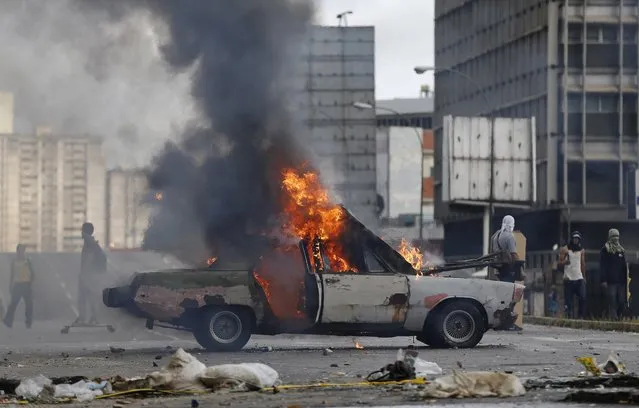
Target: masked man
572,259
21,287
614,274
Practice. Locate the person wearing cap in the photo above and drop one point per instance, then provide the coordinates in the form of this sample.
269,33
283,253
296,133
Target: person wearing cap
572,259
613,270
21,285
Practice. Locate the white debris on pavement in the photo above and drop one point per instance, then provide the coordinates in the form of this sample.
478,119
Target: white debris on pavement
185,372
612,366
474,385
33,388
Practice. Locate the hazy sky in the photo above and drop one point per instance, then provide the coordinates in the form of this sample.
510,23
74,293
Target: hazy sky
404,37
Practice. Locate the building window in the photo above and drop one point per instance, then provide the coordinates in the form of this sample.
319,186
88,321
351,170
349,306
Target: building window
602,102
629,34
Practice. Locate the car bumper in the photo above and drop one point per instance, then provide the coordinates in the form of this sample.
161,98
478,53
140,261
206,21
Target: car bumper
505,318
121,296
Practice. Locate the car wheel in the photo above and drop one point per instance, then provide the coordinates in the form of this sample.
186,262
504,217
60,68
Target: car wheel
458,324
223,329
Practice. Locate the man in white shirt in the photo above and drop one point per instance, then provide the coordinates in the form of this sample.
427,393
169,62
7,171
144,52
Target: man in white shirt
573,260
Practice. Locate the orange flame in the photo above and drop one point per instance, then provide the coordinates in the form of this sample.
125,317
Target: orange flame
412,255
357,345
311,215
211,260
158,196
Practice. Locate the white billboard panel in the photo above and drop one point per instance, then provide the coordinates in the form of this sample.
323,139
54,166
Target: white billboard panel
466,160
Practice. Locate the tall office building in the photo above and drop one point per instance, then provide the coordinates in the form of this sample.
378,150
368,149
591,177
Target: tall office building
573,65
337,69
49,185
127,215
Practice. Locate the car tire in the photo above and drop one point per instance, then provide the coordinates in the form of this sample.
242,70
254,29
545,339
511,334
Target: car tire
458,324
223,329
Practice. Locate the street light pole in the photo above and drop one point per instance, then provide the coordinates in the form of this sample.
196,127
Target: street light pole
420,140
488,210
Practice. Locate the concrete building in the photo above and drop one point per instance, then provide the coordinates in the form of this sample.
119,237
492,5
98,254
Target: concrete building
49,185
338,69
127,216
6,112
573,65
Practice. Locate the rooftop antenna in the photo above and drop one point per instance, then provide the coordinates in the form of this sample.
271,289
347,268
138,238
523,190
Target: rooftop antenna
341,18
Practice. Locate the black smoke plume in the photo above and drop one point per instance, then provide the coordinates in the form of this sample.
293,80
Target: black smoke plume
220,183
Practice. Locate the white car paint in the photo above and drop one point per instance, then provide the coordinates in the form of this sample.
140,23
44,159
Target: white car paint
358,298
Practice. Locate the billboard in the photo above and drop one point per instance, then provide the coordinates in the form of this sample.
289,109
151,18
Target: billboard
467,149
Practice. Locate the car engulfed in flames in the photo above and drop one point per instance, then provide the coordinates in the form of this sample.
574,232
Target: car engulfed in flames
331,275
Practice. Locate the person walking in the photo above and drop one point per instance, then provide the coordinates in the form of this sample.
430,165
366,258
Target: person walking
21,284
572,258
613,270
92,264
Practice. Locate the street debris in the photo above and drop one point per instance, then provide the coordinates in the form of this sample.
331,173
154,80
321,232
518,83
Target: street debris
591,382
116,350
612,366
604,397
327,351
474,385
407,366
183,374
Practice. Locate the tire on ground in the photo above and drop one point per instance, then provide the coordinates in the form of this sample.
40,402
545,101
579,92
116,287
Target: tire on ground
223,328
458,323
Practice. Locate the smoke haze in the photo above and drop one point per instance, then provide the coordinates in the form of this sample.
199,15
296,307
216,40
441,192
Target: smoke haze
221,180
81,72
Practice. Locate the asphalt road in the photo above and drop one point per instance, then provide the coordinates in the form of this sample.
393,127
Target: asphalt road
537,352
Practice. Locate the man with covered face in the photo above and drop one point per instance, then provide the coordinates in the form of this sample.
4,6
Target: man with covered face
503,241
613,270
572,259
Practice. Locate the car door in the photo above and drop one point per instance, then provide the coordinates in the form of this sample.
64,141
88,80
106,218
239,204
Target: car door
375,295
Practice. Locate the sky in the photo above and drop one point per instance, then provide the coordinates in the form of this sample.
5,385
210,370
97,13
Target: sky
404,37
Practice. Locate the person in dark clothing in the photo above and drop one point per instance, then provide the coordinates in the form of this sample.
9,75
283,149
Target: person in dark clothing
614,274
22,277
90,266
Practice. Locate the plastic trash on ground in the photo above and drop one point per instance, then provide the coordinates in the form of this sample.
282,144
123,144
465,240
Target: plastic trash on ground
612,366
181,373
185,372
31,388
474,385
82,390
250,376
406,367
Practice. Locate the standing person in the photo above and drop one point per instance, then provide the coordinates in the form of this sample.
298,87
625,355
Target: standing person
93,263
503,241
614,274
21,285
572,258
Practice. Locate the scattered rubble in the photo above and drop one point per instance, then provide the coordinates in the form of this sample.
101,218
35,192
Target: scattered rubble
474,385
407,366
183,373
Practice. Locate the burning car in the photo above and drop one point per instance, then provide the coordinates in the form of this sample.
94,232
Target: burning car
306,288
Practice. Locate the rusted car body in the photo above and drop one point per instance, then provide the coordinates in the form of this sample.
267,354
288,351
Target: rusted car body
289,291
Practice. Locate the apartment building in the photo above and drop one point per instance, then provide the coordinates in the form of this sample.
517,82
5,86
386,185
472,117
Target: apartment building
127,214
573,65
49,185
